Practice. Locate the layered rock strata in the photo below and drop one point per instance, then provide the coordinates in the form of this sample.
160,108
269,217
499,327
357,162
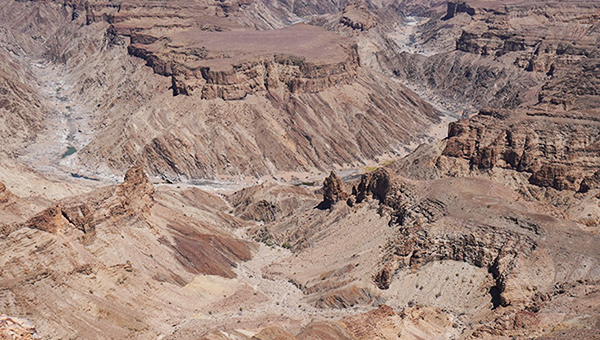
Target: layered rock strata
285,99
333,190
501,54
358,17
207,67
559,149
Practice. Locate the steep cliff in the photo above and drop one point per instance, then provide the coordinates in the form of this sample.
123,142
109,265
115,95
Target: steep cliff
559,149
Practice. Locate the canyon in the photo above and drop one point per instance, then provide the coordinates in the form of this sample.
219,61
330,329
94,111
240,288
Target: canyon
281,169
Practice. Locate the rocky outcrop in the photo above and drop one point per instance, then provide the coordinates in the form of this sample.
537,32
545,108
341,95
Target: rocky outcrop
15,328
590,183
529,142
431,228
456,7
133,197
266,68
136,190
358,17
375,184
79,215
485,247
50,220
57,218
333,190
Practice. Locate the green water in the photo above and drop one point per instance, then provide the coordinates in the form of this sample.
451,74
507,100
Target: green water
70,150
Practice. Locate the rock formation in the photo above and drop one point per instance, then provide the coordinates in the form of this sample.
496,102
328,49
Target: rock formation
15,328
491,232
375,184
270,66
136,190
456,7
357,16
50,220
333,190
590,182
529,142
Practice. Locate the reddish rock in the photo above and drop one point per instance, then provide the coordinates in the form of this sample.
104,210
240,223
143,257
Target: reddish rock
202,253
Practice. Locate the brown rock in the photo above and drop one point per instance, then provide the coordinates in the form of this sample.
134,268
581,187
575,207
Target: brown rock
136,191
80,215
383,278
357,16
590,182
376,184
456,7
554,176
15,328
50,220
333,189
551,145
259,67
